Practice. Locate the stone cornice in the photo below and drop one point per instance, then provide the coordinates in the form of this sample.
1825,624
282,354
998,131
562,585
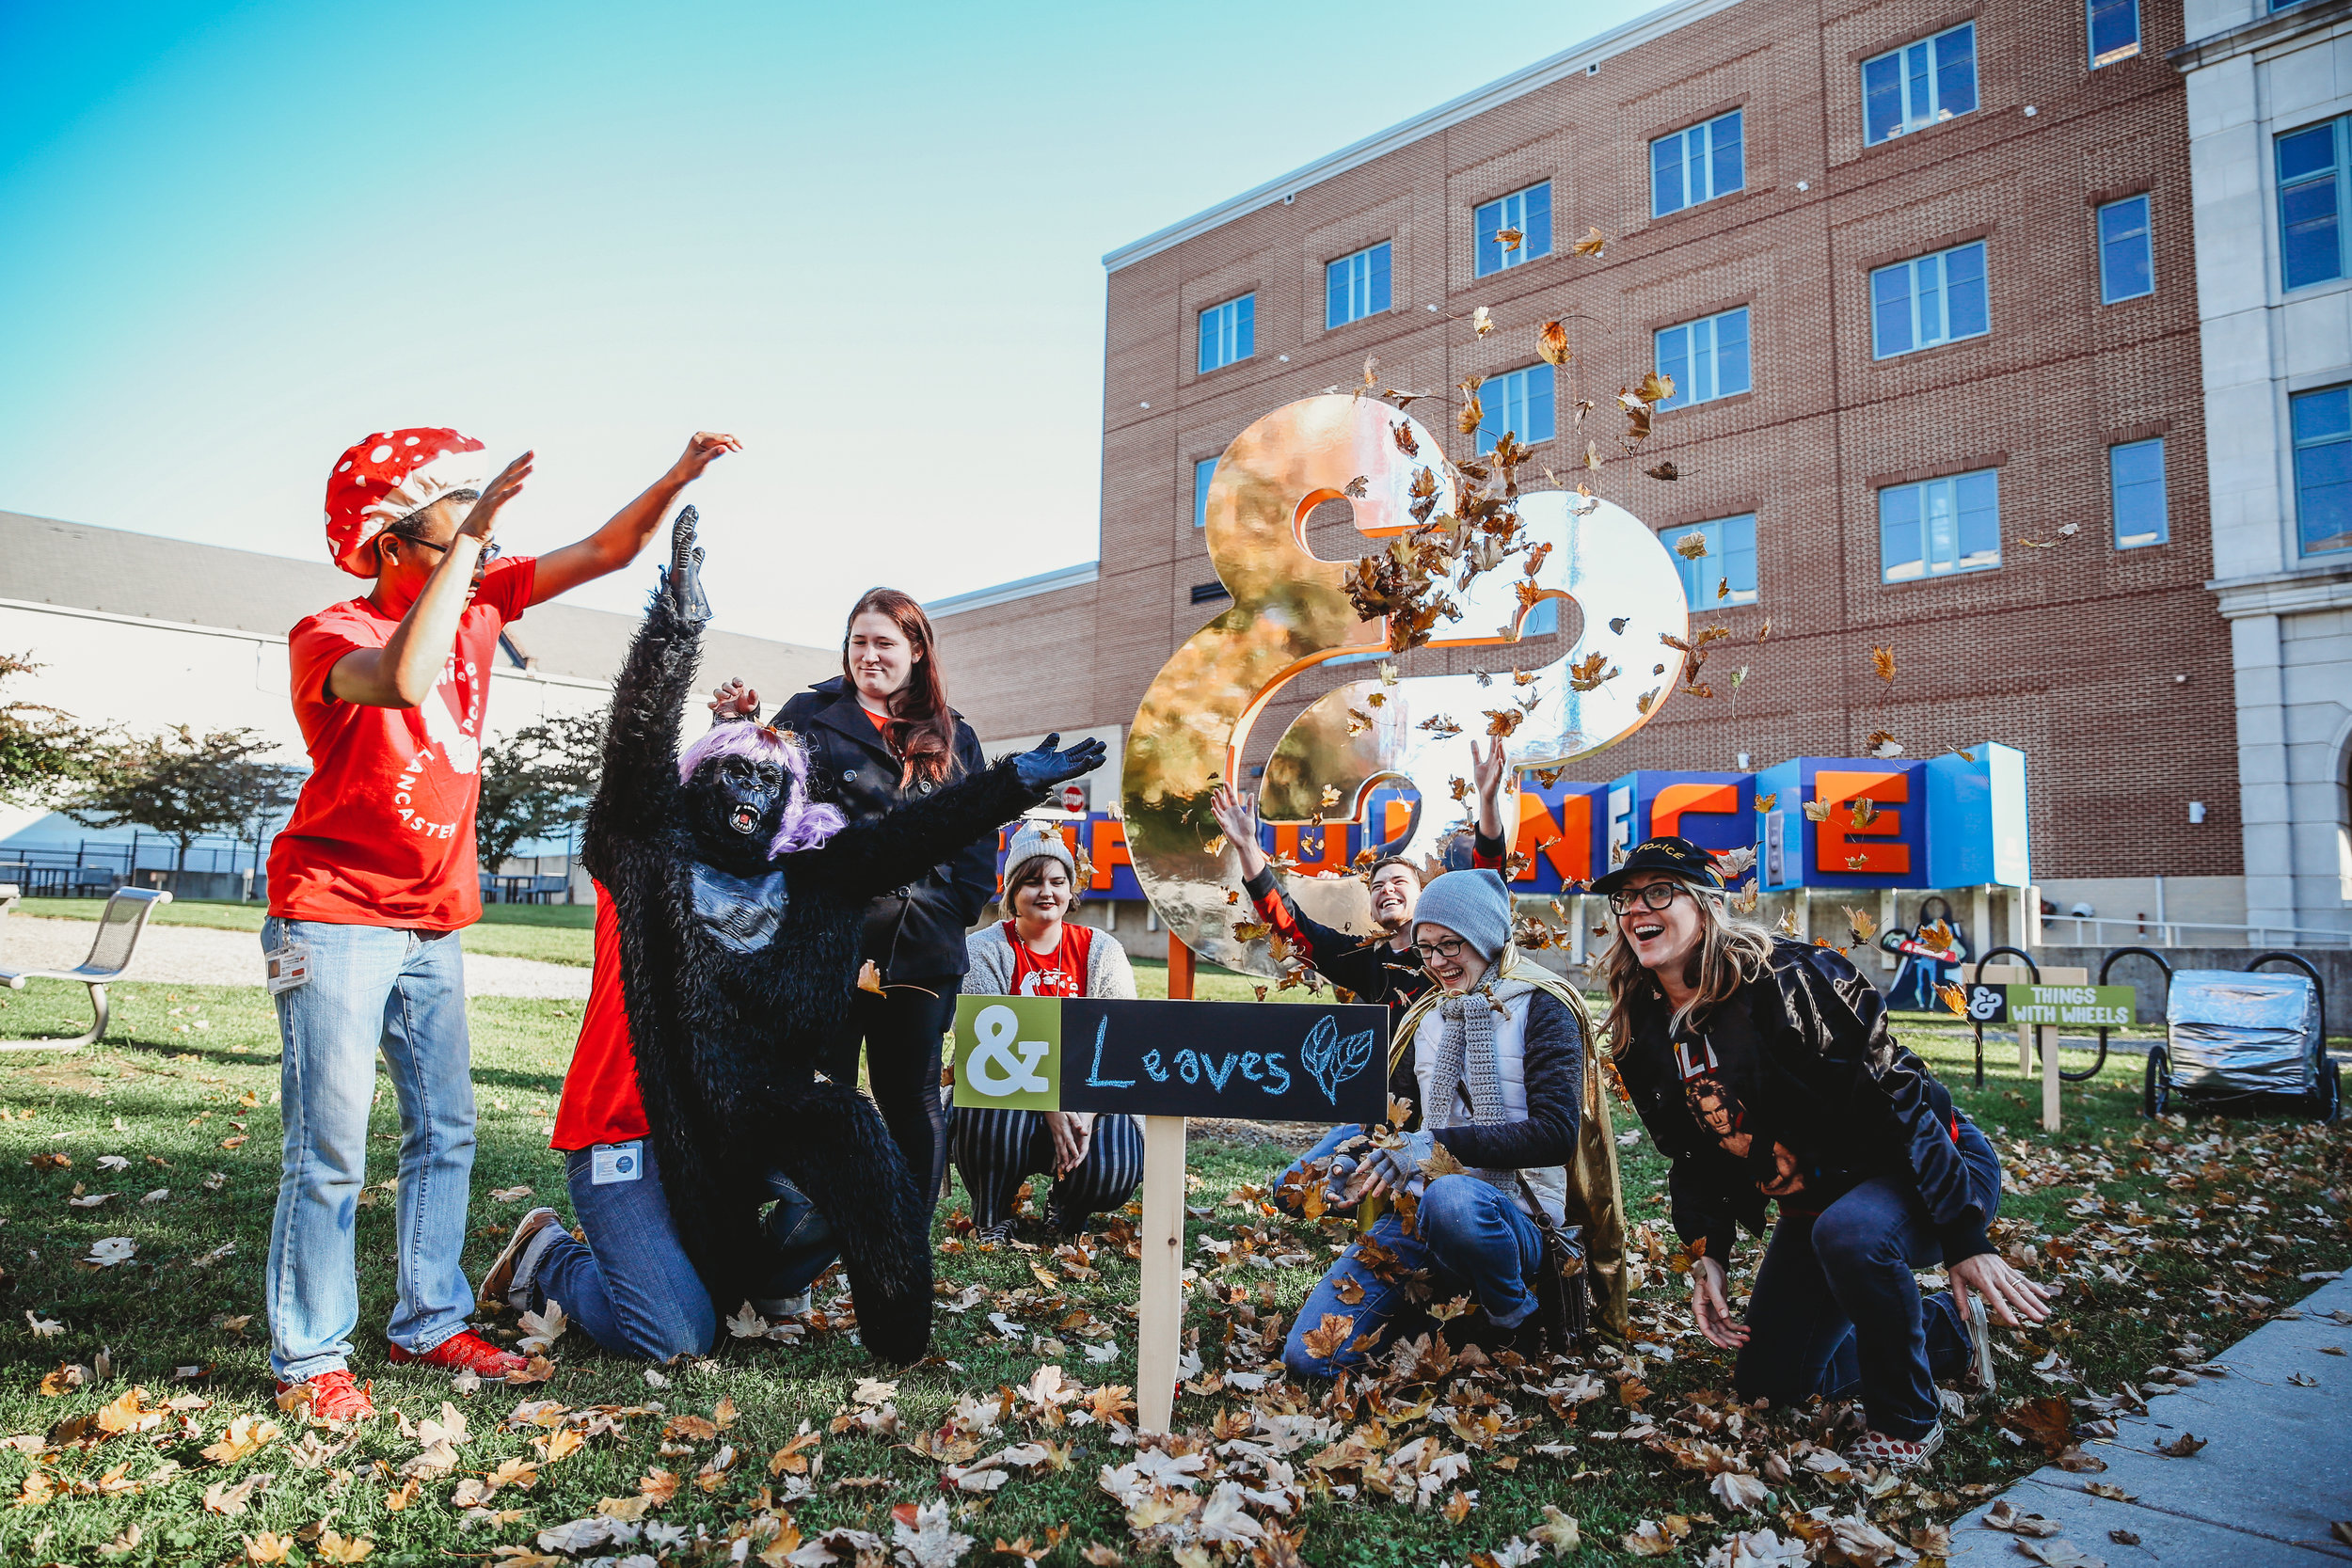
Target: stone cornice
2248,36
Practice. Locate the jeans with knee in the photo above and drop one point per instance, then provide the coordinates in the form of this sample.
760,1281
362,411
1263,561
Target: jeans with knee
632,1287
373,990
1837,1312
1471,1237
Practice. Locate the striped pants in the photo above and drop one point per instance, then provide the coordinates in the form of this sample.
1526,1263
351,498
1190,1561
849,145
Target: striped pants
995,1151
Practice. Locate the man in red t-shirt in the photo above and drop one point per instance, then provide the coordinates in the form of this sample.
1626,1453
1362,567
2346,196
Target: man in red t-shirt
371,879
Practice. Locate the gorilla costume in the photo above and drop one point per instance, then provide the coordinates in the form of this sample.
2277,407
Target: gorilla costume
739,903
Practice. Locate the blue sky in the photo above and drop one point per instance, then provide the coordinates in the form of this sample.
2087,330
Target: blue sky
867,240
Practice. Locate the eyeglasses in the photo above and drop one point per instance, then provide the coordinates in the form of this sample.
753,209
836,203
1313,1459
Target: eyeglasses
1655,895
1444,948
481,564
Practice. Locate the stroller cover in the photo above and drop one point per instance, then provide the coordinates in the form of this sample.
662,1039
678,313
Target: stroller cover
2234,1033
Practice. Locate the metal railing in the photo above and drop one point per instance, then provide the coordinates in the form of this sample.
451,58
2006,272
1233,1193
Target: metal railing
2166,933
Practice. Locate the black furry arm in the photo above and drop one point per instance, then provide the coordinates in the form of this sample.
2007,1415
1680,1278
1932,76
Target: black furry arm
869,857
638,793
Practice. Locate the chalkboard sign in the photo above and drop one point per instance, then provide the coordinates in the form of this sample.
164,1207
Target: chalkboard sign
1246,1061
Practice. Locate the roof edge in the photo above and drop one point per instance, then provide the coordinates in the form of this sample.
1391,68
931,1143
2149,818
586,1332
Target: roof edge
1020,588
1625,36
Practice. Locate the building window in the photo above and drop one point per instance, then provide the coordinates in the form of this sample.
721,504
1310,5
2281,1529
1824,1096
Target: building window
1543,620
2114,30
1528,213
1356,286
2126,270
2311,197
1229,332
2323,471
1200,472
1934,299
1727,573
1696,166
2135,479
1707,358
1912,88
1943,526
1521,403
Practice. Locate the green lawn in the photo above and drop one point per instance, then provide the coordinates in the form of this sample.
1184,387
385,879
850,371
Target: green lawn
184,1090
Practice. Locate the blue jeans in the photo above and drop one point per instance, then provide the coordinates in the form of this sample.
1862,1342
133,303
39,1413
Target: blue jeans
372,989
1471,1238
1286,1195
632,1287
1835,1312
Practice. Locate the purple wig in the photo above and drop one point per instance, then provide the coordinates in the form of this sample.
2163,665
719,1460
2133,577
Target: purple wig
806,823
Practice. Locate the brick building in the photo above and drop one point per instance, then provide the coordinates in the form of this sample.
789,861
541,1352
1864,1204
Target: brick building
1923,273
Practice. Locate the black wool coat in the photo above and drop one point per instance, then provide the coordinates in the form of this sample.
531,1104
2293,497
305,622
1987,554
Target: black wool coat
913,930
1832,1085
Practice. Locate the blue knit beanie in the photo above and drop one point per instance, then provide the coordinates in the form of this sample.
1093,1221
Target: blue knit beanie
1475,905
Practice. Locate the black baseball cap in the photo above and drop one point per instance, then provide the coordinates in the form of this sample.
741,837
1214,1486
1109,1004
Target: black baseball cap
1676,855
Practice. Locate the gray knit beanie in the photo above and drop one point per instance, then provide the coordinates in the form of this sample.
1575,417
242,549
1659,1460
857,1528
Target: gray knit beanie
1036,840
1473,905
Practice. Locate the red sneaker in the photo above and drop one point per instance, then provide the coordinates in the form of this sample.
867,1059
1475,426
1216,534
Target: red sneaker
465,1350
328,1397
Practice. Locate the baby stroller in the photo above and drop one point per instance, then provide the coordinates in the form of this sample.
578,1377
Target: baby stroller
2243,1041
1933,952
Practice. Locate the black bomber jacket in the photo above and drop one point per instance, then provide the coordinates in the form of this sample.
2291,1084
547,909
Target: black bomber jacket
1851,1102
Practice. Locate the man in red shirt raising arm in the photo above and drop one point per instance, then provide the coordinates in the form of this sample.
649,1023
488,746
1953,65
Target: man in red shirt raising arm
374,875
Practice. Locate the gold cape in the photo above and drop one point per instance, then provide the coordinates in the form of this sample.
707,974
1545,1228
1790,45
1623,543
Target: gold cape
1595,1197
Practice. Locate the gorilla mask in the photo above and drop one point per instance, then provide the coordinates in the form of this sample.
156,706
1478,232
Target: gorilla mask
746,788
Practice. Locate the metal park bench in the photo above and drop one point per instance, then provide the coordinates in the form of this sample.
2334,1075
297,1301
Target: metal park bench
118,930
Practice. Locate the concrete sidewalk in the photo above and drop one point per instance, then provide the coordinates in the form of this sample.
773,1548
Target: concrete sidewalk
2277,1472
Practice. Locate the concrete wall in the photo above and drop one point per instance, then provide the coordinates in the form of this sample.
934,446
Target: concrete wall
2334,966
2251,75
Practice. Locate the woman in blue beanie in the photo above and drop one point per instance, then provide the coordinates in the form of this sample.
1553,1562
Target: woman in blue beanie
1494,1062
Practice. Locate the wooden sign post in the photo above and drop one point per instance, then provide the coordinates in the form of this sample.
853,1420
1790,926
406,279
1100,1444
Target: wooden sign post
2007,993
1163,1061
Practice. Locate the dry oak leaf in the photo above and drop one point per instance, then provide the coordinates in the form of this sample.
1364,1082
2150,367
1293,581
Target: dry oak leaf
246,1436
793,1457
1691,547
1883,660
1482,320
2183,1447
267,1546
1551,341
1656,1537
2060,1554
1667,470
1590,244
2003,1515
228,1501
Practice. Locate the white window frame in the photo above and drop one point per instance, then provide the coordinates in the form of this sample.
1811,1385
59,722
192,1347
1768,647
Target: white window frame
1513,214
1945,489
1501,387
1703,163
2121,52
1227,329
1943,300
1700,580
2163,535
1918,117
1688,395
2147,240
1357,285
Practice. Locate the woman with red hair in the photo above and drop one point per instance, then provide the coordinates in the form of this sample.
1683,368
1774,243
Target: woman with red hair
879,735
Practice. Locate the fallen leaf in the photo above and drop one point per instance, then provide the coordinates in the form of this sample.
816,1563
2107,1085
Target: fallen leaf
1590,244
222,1499
2187,1444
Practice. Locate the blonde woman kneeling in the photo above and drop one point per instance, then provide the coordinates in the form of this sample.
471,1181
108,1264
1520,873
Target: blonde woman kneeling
1037,951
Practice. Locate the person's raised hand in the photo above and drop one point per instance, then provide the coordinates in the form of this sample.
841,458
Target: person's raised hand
2009,1296
735,700
1236,812
703,450
482,517
1490,771
1708,1307
1045,766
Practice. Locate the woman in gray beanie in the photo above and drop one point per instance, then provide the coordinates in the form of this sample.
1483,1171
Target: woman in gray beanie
1035,951
1494,1063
